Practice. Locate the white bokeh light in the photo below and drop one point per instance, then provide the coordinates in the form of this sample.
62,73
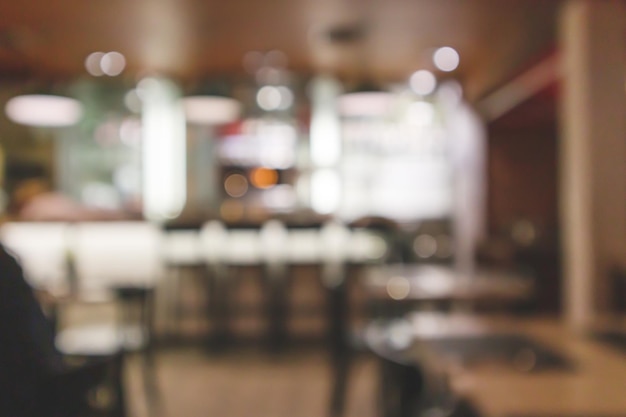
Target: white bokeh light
92,64
113,63
271,98
446,59
268,98
423,82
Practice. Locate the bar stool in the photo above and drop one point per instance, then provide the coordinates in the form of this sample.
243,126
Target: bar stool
185,265
302,263
346,251
242,259
334,239
273,237
212,238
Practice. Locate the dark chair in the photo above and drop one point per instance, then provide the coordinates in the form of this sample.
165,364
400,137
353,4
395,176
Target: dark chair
117,264
617,276
88,387
36,379
112,340
369,242
137,309
399,386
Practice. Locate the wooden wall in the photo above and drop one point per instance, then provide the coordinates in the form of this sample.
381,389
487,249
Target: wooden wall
523,191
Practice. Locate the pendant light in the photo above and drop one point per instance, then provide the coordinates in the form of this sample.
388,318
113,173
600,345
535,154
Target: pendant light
211,105
44,110
366,99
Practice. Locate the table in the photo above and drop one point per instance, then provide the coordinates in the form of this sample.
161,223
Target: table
593,387
425,282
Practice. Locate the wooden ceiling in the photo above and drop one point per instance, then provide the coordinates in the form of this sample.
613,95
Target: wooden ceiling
194,39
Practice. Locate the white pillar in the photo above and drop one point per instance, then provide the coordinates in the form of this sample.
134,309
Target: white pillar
325,142
164,156
592,152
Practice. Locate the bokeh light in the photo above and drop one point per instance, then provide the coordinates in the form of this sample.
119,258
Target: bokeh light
100,63
271,98
398,287
92,64
446,59
113,63
263,177
425,246
236,185
423,82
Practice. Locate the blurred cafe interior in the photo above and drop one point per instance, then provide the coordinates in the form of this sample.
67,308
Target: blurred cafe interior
378,208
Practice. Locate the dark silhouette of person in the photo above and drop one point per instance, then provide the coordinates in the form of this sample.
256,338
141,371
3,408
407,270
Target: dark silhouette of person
28,356
35,380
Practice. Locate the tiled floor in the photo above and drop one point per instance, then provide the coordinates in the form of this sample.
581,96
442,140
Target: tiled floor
249,383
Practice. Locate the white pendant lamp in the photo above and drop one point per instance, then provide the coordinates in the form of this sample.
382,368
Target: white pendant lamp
42,110
211,110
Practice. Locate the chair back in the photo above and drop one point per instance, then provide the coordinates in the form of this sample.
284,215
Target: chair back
41,248
109,254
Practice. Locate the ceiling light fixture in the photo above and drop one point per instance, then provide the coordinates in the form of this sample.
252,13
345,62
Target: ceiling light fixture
44,110
365,101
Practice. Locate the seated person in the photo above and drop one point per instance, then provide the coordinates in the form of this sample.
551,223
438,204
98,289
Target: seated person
34,379
35,200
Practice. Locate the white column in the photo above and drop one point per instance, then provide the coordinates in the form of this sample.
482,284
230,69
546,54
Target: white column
164,156
592,152
325,142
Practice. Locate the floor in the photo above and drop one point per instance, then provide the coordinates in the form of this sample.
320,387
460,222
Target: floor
249,382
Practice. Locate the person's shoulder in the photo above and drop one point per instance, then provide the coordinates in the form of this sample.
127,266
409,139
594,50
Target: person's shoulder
11,272
6,257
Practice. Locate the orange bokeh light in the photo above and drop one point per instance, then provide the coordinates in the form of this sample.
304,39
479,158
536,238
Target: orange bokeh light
263,177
